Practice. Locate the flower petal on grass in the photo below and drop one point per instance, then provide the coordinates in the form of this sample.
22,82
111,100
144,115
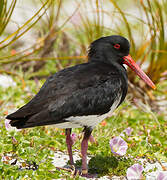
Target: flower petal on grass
135,172
162,175
118,146
9,127
128,131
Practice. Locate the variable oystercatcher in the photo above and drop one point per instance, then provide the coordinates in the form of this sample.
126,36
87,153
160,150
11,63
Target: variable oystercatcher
82,95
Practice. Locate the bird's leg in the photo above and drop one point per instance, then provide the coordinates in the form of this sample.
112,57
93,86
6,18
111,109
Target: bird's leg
69,142
84,147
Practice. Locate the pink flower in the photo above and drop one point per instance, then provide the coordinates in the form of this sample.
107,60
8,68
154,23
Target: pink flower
6,81
9,127
128,131
135,172
118,146
73,137
92,139
162,175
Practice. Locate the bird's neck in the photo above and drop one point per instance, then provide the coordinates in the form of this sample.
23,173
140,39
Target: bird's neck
109,62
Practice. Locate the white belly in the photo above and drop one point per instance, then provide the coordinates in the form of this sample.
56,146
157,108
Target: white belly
90,120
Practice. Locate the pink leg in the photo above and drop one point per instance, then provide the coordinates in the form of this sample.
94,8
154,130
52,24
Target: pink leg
84,148
69,145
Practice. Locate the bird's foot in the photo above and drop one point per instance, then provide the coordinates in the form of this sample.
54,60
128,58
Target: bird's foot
76,172
65,169
84,173
89,175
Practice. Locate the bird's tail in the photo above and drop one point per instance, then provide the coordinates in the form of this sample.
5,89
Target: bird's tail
39,119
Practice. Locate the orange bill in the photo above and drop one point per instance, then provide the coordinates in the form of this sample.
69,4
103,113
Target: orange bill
131,63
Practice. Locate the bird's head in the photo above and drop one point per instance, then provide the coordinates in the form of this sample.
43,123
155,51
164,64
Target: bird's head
115,50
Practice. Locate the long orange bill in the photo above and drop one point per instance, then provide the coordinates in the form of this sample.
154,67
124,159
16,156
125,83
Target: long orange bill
131,63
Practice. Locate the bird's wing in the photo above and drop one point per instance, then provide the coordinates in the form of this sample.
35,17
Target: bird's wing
80,90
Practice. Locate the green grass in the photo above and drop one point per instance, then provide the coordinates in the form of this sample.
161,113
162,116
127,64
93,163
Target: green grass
37,145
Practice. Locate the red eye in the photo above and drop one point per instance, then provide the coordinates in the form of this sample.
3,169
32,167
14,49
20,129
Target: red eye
117,46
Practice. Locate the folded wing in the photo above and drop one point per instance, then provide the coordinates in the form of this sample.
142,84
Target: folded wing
86,89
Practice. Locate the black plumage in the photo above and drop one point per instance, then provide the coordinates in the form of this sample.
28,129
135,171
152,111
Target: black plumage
86,89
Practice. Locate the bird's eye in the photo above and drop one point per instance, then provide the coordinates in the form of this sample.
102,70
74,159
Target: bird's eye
117,46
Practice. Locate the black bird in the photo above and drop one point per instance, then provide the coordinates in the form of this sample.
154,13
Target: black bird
82,95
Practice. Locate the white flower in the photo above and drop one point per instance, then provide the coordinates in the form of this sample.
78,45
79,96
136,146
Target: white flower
9,127
118,146
6,81
127,131
135,172
162,175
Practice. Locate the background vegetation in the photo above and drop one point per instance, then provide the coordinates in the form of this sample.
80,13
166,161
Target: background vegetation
56,34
